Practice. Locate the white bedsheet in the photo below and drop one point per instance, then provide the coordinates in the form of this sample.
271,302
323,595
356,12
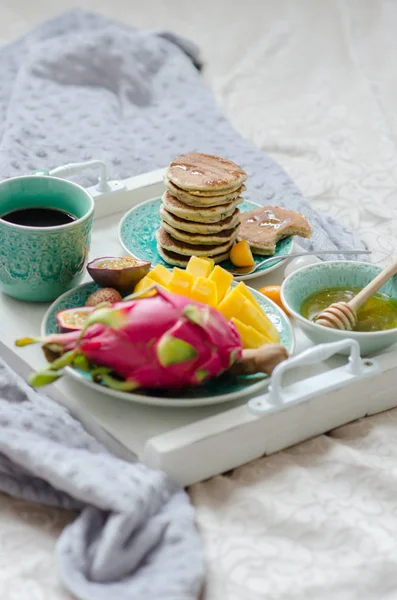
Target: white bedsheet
311,82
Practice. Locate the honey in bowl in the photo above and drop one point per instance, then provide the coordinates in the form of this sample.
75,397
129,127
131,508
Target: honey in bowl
379,313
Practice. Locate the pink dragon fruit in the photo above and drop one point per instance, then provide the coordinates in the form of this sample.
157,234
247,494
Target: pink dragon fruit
163,341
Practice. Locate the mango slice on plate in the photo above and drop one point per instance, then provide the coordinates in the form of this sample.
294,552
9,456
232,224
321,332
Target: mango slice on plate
250,315
181,282
203,290
210,261
232,304
145,283
222,280
242,288
250,337
241,255
161,274
199,267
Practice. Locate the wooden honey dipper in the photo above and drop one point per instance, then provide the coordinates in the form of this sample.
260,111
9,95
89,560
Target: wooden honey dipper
343,315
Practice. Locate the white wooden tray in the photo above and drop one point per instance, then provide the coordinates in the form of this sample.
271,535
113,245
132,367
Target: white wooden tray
310,395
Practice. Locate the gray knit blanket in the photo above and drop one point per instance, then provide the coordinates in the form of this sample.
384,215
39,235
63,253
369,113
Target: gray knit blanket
81,87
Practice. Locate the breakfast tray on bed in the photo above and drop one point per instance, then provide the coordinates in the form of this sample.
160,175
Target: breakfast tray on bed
314,392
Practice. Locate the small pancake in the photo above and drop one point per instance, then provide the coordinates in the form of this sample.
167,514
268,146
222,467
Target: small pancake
206,172
200,228
167,242
264,227
206,201
214,193
178,260
196,214
206,239
211,194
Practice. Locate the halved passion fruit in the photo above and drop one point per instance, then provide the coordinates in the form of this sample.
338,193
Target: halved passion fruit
73,319
122,274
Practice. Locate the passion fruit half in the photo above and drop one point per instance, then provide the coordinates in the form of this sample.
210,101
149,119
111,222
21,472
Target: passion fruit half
121,274
73,319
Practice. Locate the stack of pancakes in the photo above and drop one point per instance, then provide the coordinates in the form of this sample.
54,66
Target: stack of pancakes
199,214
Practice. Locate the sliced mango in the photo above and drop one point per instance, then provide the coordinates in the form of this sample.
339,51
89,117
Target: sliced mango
250,315
204,290
198,267
210,261
241,255
243,289
250,337
143,284
231,304
181,282
222,280
161,274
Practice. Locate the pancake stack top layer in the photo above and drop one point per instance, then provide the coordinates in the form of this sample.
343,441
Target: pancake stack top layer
199,214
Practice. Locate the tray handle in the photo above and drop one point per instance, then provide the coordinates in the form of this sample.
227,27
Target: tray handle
104,184
277,395
310,357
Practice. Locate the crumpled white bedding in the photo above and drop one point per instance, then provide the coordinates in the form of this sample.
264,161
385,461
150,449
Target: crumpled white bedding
313,84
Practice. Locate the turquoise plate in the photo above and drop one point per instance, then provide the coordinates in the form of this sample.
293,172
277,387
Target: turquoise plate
137,235
222,389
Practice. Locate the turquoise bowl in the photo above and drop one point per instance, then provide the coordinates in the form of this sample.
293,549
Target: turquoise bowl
313,278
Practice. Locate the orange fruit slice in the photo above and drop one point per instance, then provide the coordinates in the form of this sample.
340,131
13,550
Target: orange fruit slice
273,293
241,255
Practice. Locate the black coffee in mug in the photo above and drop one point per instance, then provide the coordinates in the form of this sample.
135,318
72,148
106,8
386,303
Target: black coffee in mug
38,216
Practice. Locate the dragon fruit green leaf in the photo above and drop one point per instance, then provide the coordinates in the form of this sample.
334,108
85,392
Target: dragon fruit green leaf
100,371
234,355
81,363
111,317
63,361
198,314
121,386
201,375
173,351
26,341
43,378
194,313
137,295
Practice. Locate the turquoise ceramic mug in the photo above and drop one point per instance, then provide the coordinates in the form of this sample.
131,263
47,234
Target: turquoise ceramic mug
45,233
